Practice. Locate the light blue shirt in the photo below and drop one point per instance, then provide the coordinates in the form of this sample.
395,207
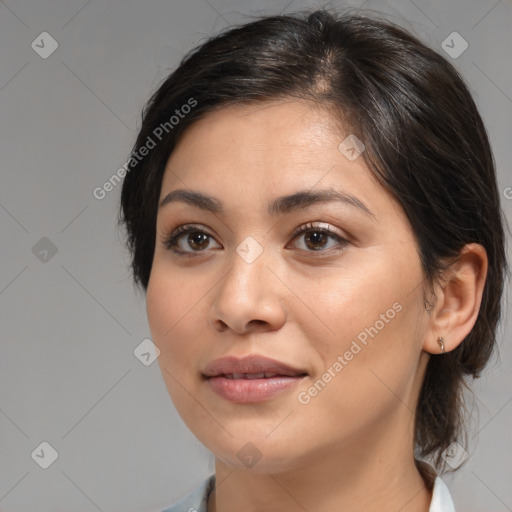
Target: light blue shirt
197,501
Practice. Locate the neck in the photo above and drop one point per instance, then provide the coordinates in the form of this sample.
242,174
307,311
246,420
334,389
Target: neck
365,475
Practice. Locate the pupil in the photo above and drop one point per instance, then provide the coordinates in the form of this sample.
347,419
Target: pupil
196,237
316,237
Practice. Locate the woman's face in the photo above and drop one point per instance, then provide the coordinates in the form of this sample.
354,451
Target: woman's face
344,306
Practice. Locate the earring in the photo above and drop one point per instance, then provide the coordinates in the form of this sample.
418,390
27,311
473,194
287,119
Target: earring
440,340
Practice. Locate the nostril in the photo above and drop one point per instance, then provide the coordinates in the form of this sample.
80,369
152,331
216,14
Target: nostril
218,325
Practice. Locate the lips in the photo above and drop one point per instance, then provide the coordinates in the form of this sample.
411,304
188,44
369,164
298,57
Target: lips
251,379
262,375
250,367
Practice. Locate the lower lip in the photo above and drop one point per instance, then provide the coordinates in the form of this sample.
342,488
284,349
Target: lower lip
251,390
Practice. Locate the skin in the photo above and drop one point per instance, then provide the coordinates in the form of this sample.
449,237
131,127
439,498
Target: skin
351,446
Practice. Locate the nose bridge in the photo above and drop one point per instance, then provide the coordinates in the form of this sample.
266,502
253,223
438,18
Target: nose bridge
248,291
247,270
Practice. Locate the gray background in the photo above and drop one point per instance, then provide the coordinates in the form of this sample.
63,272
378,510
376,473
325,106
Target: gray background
72,320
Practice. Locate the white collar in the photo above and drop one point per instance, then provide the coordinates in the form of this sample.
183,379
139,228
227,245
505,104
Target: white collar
198,499
441,498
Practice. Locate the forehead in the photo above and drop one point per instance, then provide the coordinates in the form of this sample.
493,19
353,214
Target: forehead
269,136
261,150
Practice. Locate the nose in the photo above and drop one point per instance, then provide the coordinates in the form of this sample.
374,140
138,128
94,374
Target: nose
250,298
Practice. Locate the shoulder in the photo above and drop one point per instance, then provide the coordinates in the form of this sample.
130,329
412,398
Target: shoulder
197,500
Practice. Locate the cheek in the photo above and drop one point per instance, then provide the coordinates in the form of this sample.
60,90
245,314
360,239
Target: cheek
160,309
366,336
361,384
172,300
170,312
347,301
171,306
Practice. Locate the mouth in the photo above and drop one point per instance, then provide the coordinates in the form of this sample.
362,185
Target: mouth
253,376
250,379
252,366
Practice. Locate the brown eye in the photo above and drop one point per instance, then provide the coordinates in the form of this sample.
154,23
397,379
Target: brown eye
316,238
197,240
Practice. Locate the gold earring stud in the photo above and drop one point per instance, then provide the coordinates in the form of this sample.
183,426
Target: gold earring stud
440,340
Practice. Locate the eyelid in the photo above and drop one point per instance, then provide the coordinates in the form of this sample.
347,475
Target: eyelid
321,226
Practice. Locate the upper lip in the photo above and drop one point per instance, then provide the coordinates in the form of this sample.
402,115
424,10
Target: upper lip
250,364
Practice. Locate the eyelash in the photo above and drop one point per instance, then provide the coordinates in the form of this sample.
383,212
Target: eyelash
171,240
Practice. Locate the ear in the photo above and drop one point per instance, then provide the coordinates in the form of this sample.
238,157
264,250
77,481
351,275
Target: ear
458,300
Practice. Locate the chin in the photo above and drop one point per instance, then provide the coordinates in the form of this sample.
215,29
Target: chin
257,454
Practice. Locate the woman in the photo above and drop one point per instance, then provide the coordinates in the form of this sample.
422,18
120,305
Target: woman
312,211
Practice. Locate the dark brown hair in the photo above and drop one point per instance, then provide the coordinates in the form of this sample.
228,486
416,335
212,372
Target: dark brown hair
425,142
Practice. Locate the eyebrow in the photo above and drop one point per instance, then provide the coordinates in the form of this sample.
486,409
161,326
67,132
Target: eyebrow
278,206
